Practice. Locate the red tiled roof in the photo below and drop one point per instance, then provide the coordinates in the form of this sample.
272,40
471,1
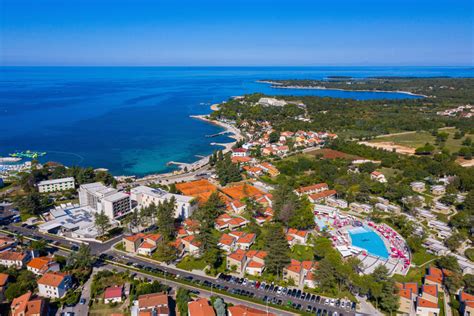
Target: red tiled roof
242,310
322,195
53,279
200,307
113,292
425,303
226,239
466,297
152,300
134,238
3,279
237,255
309,188
246,239
255,264
430,289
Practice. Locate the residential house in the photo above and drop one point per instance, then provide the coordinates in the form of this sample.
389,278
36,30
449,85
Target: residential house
225,221
131,243
25,305
235,206
246,241
54,284
270,169
408,293
149,244
467,304
360,208
41,265
236,261
11,258
200,307
311,189
378,176
255,262
191,245
438,189
226,243
300,272
156,304
418,186
239,152
434,277
3,285
113,294
297,237
7,243
321,196
426,308
242,310
253,170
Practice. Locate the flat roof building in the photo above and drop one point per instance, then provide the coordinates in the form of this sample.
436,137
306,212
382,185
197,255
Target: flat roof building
56,185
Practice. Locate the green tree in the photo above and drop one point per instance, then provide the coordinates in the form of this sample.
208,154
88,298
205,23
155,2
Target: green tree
165,252
102,222
182,298
278,250
165,218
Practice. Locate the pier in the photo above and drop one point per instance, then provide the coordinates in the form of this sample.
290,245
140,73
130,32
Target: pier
218,134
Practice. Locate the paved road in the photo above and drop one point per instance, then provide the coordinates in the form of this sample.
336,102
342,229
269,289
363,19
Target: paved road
118,257
216,282
205,293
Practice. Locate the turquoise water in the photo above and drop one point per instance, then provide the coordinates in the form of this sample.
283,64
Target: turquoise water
364,237
133,120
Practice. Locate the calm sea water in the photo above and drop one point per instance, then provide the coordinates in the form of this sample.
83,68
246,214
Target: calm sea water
135,120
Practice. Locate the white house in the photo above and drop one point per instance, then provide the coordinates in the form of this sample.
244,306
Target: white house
239,152
54,284
15,259
378,176
113,294
56,185
41,265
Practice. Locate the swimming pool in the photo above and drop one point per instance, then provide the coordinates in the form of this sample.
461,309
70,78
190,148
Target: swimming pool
364,237
322,222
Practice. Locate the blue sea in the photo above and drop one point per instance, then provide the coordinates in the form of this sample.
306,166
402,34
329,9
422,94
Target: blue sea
133,120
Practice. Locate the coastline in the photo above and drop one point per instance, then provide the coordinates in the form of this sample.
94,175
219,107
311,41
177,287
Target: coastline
278,85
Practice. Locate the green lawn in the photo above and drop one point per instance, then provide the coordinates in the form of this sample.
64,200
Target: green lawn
302,252
189,264
413,140
414,275
418,139
470,254
421,257
99,309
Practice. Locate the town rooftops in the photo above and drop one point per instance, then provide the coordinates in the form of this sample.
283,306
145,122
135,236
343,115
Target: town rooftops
238,255
53,279
322,195
135,237
159,193
430,289
55,181
19,304
434,275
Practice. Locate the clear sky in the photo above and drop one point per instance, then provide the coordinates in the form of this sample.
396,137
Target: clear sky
231,32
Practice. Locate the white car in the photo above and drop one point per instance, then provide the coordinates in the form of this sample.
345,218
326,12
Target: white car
333,302
326,301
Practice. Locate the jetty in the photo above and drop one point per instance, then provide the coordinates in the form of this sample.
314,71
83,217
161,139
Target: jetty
219,134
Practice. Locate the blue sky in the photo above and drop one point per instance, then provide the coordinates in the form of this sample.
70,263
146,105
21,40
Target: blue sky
226,32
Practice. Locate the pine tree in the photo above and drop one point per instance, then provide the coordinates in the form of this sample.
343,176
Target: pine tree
278,250
165,218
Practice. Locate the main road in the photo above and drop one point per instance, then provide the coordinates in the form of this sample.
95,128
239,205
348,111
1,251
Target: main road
150,269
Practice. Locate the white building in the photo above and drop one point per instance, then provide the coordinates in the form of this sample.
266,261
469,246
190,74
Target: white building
100,198
56,185
239,152
54,284
271,102
144,196
71,221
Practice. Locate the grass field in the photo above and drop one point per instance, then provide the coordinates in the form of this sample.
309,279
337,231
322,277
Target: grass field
302,252
189,264
418,139
99,309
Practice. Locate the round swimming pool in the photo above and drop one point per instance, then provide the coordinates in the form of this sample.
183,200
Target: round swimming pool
366,238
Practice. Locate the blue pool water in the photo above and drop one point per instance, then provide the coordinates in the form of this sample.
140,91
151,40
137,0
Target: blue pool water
364,237
133,120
